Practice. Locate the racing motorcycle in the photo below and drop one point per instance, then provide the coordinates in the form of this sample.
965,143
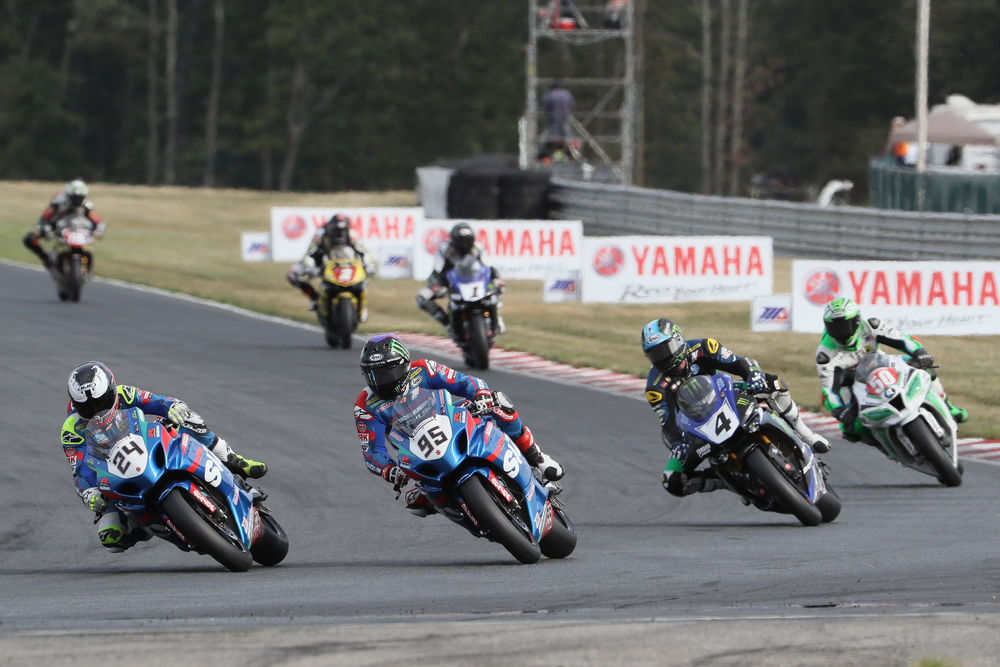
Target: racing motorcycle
473,310
70,259
177,489
754,452
476,476
339,309
909,422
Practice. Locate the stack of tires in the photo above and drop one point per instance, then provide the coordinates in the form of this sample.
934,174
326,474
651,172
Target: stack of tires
493,188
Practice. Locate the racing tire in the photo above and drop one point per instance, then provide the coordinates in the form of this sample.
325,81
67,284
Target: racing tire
829,504
221,543
790,497
561,538
272,545
923,439
74,278
494,520
479,343
345,321
330,331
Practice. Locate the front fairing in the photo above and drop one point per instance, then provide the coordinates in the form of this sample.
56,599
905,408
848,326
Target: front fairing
441,444
139,462
343,269
718,419
469,285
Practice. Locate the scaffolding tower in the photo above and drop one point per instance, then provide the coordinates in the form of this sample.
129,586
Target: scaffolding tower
591,50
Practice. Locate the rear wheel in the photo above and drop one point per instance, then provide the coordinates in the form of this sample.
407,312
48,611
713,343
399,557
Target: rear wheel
496,522
214,534
934,453
775,481
561,538
272,545
479,344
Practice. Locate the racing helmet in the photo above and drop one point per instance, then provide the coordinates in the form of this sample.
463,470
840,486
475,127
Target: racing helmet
92,389
462,238
664,346
338,229
77,191
385,363
842,320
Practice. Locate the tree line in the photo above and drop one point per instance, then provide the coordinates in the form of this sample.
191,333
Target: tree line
352,94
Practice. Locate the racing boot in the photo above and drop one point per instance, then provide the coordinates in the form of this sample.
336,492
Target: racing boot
419,504
113,534
238,465
782,403
958,413
550,468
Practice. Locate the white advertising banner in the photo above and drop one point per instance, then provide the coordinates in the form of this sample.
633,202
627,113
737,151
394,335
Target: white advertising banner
293,228
562,286
256,246
667,269
771,312
941,298
518,249
394,261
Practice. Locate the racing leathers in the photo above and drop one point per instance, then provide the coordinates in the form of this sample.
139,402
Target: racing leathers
115,529
59,208
437,284
706,356
372,414
312,263
836,364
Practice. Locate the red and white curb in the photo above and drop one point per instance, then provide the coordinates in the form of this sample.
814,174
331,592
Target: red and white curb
602,379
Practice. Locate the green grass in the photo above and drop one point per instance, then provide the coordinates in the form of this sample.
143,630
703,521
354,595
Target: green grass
188,240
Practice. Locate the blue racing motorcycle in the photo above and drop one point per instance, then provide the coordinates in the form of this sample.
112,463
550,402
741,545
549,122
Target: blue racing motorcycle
473,310
476,476
175,488
753,451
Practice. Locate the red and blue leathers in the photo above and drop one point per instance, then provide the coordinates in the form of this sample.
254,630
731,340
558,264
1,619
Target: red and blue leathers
128,397
371,412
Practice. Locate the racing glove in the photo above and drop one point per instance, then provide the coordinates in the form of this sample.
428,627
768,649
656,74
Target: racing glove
181,415
757,383
93,499
921,358
483,402
395,476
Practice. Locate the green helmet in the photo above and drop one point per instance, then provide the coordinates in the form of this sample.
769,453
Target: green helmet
842,320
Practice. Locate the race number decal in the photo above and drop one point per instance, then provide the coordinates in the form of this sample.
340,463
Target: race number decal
471,291
881,380
720,426
128,458
430,440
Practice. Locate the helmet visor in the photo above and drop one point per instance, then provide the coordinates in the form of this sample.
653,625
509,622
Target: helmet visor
668,355
841,329
385,380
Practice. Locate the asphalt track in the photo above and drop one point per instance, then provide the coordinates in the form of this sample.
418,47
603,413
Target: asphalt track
909,570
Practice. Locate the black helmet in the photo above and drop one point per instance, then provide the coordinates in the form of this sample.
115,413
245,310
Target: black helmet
338,230
462,238
385,363
664,345
92,389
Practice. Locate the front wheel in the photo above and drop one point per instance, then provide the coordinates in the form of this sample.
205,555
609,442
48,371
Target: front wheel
345,321
479,343
561,538
495,521
829,505
215,536
74,277
782,488
933,452
272,545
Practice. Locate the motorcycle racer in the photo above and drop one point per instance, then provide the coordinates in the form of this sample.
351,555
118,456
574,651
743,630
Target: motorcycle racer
94,395
73,199
388,370
462,242
335,233
847,339
674,359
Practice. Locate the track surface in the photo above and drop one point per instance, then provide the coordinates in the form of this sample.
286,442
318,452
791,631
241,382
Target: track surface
909,569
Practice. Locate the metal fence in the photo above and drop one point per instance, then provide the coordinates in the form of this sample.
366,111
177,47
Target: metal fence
807,230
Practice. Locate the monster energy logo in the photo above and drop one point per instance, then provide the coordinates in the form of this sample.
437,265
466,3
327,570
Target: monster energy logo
397,346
